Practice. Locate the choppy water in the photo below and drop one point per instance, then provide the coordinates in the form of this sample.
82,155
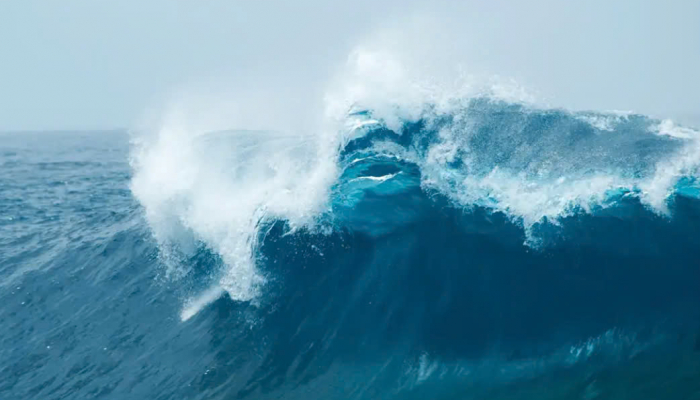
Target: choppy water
485,250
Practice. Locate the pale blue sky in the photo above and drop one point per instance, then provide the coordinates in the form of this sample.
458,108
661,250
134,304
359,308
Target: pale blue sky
84,64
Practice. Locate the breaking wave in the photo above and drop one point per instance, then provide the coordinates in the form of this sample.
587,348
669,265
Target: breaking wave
465,227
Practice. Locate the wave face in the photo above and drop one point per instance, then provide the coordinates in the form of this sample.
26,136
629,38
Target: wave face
464,247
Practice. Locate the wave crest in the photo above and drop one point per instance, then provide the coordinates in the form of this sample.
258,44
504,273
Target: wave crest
534,164
386,134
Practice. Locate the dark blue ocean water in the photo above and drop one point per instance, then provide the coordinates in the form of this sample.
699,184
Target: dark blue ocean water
423,277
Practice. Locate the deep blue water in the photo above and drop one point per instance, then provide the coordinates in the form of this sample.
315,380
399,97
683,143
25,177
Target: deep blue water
422,277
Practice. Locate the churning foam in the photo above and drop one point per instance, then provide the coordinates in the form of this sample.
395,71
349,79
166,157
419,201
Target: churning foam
195,304
395,94
218,189
560,186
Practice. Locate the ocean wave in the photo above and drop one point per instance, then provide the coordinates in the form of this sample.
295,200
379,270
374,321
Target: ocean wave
538,165
387,147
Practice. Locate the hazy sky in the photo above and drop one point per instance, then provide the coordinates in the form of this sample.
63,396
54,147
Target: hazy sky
83,64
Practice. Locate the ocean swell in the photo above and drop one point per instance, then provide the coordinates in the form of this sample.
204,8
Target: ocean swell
374,170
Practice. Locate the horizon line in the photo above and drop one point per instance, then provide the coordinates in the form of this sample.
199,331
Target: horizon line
64,130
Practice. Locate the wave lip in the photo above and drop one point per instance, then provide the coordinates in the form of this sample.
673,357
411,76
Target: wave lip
536,165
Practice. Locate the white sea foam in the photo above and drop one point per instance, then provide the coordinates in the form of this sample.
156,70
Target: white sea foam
376,179
656,190
218,188
195,304
669,128
531,199
604,121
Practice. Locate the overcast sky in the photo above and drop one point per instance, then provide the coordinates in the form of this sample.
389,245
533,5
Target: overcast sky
87,64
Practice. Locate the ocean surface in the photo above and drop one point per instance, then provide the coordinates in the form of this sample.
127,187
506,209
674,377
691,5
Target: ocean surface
486,250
